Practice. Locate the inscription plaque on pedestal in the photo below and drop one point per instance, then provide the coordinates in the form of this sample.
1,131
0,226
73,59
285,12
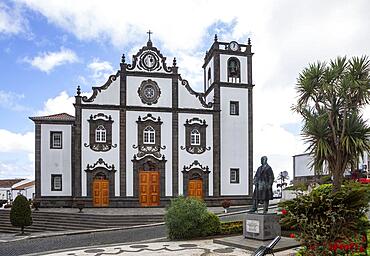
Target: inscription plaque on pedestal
261,226
252,226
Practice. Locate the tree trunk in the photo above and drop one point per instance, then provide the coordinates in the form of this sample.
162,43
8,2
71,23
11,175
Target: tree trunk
22,229
336,181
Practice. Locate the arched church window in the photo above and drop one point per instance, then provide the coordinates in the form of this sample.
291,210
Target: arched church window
195,137
100,134
209,78
149,135
233,70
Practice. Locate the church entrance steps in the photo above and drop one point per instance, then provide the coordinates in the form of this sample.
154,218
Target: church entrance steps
53,221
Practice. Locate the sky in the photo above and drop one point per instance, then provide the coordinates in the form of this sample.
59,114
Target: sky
49,47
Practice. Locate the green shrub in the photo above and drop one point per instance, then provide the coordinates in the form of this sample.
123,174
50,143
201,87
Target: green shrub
232,227
188,217
20,213
211,225
324,218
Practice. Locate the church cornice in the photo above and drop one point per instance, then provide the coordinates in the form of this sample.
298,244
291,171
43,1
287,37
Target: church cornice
199,95
98,89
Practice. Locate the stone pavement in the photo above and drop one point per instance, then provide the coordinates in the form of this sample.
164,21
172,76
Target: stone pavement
166,248
235,213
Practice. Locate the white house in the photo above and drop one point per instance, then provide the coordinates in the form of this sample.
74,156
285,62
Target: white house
25,187
145,136
6,188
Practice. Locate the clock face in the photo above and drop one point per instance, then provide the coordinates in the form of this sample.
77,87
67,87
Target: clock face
149,60
234,46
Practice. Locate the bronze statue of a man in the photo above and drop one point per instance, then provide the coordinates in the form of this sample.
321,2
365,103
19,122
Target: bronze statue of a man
263,181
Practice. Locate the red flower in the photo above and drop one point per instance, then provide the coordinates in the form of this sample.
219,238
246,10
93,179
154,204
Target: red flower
292,235
283,211
362,249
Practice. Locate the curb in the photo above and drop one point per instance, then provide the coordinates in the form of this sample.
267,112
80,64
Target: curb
81,232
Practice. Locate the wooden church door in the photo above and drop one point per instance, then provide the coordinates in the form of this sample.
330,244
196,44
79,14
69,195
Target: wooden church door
101,193
195,188
149,188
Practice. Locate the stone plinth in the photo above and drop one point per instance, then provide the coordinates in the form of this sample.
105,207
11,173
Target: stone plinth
261,226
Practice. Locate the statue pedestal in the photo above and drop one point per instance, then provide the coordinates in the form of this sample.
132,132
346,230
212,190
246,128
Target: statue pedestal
261,226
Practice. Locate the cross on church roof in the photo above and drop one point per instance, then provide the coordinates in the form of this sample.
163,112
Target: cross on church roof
149,33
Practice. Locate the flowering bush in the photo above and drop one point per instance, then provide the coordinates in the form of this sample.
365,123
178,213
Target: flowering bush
329,223
226,203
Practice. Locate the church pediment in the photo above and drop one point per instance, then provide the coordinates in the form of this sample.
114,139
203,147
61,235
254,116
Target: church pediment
149,59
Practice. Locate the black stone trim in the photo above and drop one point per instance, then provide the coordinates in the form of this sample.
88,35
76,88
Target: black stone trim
66,201
151,74
146,84
100,167
77,148
141,164
145,148
150,109
122,132
250,140
94,122
196,171
237,175
138,59
37,160
234,74
52,133
198,95
175,134
236,105
97,89
230,85
122,153
201,126
215,51
60,122
216,129
250,124
236,85
53,176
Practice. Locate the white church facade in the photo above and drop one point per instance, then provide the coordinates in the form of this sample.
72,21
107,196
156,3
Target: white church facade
145,136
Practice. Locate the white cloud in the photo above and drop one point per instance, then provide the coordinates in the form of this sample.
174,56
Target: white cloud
11,20
15,169
16,142
62,103
47,61
10,100
101,70
286,36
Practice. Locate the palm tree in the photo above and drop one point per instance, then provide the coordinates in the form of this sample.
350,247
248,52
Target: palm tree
330,99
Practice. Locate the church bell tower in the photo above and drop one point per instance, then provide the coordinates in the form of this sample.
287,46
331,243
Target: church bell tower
228,83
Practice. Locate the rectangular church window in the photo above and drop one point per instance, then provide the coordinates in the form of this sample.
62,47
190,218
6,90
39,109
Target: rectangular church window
234,175
234,108
56,182
55,139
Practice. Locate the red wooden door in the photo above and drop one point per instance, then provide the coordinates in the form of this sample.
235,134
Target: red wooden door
195,188
149,194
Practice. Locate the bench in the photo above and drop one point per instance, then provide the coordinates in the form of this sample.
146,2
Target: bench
267,249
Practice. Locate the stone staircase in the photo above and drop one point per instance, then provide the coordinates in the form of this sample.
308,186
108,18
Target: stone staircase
56,222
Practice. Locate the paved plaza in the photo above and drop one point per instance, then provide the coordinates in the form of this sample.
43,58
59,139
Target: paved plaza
179,248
